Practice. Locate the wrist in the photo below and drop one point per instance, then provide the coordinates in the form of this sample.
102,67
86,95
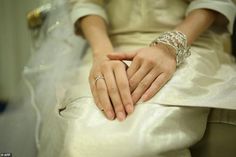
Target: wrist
176,40
101,50
101,55
167,48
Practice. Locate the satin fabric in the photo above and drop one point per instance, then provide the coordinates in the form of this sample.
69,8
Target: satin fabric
206,79
206,76
152,130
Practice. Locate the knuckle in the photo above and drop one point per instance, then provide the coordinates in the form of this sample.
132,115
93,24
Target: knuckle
127,101
132,82
135,97
151,62
150,93
101,89
126,97
157,86
143,84
119,108
119,64
104,69
112,89
104,65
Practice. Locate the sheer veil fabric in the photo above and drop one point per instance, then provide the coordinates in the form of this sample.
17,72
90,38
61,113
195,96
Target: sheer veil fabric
56,52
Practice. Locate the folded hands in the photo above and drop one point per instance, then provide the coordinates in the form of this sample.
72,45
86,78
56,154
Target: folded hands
116,88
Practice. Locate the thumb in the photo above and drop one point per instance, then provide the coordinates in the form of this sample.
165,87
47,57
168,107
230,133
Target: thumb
122,56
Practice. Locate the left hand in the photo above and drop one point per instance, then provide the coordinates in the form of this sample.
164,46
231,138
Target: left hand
150,70
111,92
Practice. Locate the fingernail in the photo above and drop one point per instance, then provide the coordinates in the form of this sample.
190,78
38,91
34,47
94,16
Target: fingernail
129,109
120,116
110,115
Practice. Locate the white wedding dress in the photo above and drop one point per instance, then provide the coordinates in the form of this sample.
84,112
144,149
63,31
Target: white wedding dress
168,124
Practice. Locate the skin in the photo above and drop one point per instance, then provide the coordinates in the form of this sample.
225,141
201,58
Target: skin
122,86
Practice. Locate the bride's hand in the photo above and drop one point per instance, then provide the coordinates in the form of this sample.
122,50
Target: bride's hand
150,70
110,87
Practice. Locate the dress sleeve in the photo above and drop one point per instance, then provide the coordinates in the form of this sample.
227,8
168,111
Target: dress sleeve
225,7
81,8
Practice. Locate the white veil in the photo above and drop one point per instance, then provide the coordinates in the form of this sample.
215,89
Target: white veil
56,52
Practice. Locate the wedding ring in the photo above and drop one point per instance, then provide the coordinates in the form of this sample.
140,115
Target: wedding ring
98,77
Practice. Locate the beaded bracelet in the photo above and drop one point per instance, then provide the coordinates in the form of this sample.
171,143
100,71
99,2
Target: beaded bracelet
178,41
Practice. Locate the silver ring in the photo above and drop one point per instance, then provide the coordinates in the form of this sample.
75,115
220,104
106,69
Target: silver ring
98,77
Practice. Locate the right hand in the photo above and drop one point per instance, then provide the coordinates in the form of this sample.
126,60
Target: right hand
111,92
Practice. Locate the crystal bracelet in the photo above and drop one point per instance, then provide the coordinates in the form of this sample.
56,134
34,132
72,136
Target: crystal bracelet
178,41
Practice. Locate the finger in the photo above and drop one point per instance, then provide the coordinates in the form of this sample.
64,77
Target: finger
102,93
95,97
114,95
133,68
144,84
159,82
138,76
122,56
124,90
93,90
126,65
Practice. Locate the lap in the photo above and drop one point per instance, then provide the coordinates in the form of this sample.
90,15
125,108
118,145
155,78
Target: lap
152,129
